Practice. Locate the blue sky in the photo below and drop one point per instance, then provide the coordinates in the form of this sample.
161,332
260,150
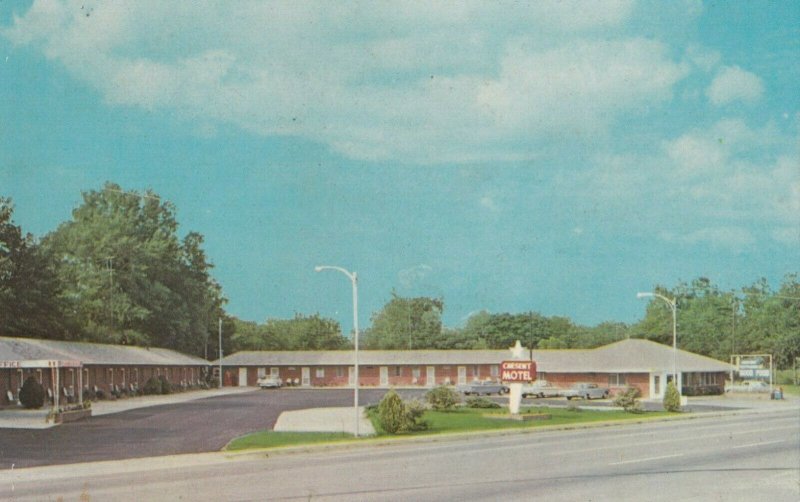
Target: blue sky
547,156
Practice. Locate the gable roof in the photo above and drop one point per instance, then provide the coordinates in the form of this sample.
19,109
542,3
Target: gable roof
30,349
625,356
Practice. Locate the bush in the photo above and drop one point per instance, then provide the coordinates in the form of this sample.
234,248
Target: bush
442,398
481,402
395,416
672,399
32,394
166,388
152,386
629,400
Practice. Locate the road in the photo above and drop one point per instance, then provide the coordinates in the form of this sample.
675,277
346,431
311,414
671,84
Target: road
735,457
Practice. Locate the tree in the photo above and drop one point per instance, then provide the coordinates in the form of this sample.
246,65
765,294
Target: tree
300,333
672,398
29,287
128,278
405,323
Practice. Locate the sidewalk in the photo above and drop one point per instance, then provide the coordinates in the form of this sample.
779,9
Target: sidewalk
20,418
324,420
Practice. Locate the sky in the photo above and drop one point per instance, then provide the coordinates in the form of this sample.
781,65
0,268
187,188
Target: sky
550,156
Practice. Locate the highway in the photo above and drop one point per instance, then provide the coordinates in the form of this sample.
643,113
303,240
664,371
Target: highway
745,456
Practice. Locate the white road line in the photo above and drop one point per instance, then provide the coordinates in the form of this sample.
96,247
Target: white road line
646,459
758,444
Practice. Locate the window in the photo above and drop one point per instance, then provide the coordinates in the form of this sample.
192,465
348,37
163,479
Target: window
616,379
476,371
273,371
339,371
495,370
262,372
319,373
415,372
398,371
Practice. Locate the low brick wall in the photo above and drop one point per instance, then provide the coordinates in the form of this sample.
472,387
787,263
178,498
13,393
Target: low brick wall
72,416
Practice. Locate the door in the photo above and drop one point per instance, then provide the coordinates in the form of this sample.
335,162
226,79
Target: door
430,376
384,376
242,377
462,375
305,377
351,376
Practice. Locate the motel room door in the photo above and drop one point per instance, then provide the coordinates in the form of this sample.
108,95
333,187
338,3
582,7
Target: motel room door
305,376
462,375
242,377
384,376
430,376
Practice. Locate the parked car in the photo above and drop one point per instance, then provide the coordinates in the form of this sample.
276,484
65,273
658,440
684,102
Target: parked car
586,391
270,382
540,388
482,388
749,386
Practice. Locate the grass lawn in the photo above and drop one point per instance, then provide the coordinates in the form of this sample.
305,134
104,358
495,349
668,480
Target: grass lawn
461,420
467,419
272,439
790,389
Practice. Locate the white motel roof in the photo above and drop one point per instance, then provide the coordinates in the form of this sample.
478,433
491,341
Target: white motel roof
626,356
25,350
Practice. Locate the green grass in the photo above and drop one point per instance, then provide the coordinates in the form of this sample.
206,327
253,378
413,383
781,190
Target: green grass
442,422
794,390
272,439
465,419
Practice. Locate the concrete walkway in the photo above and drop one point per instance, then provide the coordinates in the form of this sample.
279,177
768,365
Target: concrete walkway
324,420
20,418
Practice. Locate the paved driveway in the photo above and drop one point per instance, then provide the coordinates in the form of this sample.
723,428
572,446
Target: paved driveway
197,426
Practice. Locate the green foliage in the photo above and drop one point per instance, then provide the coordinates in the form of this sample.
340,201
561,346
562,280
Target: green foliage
481,402
152,386
629,400
31,395
442,398
396,416
406,323
128,278
672,399
300,333
29,289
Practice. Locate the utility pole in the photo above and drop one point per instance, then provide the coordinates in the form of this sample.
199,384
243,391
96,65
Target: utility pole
220,352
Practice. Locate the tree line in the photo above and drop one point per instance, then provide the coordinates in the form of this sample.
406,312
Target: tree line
117,272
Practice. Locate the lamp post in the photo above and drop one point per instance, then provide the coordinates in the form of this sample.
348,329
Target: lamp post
354,280
673,306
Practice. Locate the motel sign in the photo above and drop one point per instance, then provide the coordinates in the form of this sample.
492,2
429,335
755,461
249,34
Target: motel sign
517,371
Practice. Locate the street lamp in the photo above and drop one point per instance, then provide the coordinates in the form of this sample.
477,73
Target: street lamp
673,306
353,279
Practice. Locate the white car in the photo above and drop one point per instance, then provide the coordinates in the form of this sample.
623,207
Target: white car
749,386
270,382
540,388
583,390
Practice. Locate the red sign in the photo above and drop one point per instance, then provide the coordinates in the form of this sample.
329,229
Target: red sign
517,371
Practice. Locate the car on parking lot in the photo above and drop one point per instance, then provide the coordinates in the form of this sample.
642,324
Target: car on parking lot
583,390
270,382
540,388
482,388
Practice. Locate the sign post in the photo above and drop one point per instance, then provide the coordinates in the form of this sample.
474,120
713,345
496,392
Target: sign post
515,372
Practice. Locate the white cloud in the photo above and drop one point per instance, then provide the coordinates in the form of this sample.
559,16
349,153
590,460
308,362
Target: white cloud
410,277
734,84
726,237
404,81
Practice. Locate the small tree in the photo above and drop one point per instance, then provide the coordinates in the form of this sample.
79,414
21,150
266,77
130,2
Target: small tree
391,412
629,400
166,388
395,416
442,398
672,399
152,386
32,394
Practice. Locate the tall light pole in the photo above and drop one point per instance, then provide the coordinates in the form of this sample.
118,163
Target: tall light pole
674,307
353,279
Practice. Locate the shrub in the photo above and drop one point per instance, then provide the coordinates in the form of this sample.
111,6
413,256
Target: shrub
481,402
629,400
442,398
166,388
672,399
395,416
152,386
573,408
100,394
32,394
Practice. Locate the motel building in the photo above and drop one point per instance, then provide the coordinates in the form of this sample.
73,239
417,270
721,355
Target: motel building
69,371
639,363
